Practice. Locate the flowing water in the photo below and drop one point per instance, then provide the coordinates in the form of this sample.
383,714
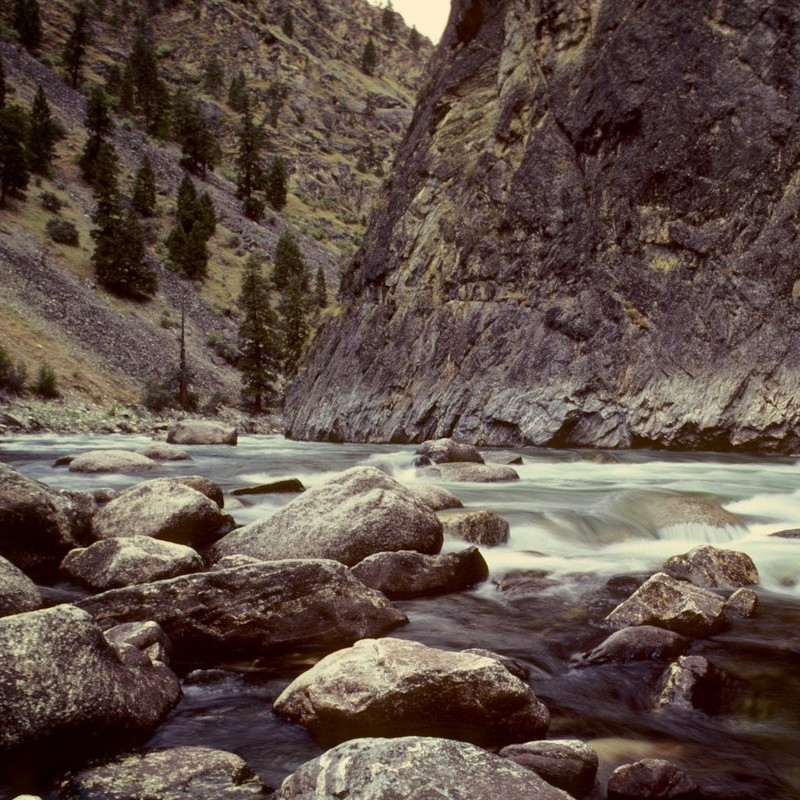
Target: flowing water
588,526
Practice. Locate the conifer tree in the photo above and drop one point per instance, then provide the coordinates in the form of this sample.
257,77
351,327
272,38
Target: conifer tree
287,26
199,144
99,125
213,77
259,340
320,289
275,186
76,44
414,39
250,174
3,86
27,20
288,263
43,133
143,196
14,171
388,18
187,240
292,309
150,93
369,58
206,216
125,99
238,93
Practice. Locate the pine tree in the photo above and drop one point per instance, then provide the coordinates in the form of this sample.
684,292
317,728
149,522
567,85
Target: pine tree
150,92
199,144
76,44
27,20
259,340
14,171
275,186
288,24
250,175
320,289
143,196
43,133
388,18
238,93
3,85
369,58
414,40
206,216
126,102
105,186
187,240
213,77
288,263
99,125
292,309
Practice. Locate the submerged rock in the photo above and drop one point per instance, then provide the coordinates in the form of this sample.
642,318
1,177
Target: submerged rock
177,773
18,593
252,609
160,451
406,573
477,527
196,431
391,686
691,682
637,643
360,512
287,486
439,451
111,461
713,567
649,779
414,766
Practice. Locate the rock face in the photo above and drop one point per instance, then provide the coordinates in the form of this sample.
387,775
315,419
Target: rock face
713,568
391,686
196,431
60,677
386,769
174,774
162,508
38,526
572,249
254,608
361,512
116,562
18,593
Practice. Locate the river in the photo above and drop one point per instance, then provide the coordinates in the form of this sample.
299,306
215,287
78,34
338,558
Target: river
580,518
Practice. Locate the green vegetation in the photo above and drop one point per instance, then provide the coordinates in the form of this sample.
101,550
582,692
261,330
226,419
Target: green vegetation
46,384
200,149
143,195
250,174
27,21
3,84
369,58
62,231
12,376
194,225
76,44
14,171
276,183
99,125
43,133
213,77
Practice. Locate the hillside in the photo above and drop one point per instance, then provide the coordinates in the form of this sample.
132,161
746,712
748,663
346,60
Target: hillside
103,348
590,239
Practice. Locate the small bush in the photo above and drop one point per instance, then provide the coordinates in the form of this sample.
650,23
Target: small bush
12,377
157,396
46,384
50,202
62,232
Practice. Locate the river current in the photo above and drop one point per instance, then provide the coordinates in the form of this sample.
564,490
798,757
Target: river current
586,523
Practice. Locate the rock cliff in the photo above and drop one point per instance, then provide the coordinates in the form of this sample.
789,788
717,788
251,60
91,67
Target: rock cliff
589,237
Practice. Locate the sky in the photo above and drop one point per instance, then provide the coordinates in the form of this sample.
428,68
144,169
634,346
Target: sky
429,16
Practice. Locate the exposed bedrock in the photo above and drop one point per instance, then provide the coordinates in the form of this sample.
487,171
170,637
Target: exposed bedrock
589,238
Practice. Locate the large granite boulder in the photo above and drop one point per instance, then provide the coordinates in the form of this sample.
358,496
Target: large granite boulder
196,431
396,687
111,461
61,680
253,609
161,451
111,563
205,486
569,764
38,526
437,498
472,473
414,767
651,779
177,773
360,512
713,568
477,527
18,593
163,508
637,643
406,573
443,450
668,603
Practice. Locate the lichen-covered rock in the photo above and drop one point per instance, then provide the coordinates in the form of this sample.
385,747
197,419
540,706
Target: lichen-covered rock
111,461
360,512
396,687
713,568
691,682
147,637
477,527
163,508
668,603
115,562
205,486
637,643
741,604
196,431
406,573
569,764
60,677
18,593
651,779
177,773
160,451
411,766
437,498
443,450
38,526
253,609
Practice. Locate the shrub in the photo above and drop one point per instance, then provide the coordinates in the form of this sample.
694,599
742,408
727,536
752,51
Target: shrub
46,384
62,232
12,377
157,396
50,202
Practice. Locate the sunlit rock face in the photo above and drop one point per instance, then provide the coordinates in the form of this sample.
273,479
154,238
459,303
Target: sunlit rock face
588,238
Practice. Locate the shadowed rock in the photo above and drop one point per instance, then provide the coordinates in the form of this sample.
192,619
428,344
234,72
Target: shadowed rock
195,431
18,593
691,682
637,643
288,486
147,637
447,450
651,778
569,764
477,527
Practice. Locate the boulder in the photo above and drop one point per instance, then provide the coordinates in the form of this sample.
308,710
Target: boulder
791,533
18,593
440,451
740,605
651,778
111,461
637,643
203,485
477,527
287,486
196,431
62,682
177,773
396,687
668,603
691,682
712,568
252,609
414,767
437,498
161,451
38,526
569,764
472,473
147,637
406,573
360,512
163,509
111,563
